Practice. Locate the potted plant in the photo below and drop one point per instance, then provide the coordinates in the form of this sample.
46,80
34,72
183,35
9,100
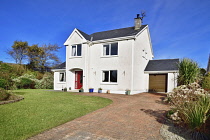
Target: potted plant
91,89
65,89
81,90
108,91
127,92
99,90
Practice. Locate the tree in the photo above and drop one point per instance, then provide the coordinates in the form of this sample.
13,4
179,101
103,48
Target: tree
41,57
18,51
34,52
188,71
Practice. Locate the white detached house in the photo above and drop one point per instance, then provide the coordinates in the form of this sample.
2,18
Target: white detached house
114,60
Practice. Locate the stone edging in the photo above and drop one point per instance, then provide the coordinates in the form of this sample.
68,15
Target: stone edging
11,101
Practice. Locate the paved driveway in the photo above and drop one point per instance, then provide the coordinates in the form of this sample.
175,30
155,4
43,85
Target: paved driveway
136,117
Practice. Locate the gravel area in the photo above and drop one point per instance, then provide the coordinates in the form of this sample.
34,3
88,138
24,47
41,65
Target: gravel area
170,132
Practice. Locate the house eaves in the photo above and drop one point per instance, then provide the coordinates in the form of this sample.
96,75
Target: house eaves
113,39
161,72
58,70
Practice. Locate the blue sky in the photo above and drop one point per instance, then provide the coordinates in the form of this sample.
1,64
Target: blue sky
178,28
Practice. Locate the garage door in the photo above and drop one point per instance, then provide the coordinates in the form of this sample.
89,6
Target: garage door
158,82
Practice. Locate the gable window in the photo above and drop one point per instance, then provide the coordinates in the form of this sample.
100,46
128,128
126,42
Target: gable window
109,76
110,49
62,77
76,50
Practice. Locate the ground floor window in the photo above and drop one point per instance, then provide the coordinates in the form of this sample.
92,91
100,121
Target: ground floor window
109,76
62,77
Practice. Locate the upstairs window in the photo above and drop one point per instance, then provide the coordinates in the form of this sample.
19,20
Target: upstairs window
62,77
110,49
76,50
110,76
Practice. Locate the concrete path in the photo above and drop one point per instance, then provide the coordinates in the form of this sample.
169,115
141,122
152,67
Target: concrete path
135,117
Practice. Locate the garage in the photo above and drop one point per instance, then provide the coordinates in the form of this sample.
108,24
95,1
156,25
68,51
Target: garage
158,82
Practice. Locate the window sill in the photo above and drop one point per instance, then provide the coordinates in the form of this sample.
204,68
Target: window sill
109,56
61,82
104,83
75,57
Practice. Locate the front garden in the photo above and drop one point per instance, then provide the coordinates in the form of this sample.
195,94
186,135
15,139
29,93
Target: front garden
43,109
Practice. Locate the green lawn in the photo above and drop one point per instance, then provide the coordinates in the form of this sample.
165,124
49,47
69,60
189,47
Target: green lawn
42,110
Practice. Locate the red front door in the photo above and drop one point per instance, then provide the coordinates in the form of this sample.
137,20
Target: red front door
78,79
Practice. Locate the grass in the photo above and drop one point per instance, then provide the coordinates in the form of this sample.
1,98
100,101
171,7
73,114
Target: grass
42,110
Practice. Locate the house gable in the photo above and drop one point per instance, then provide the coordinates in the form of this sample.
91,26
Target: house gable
75,38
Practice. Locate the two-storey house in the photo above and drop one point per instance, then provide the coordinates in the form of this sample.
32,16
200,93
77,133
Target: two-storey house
114,60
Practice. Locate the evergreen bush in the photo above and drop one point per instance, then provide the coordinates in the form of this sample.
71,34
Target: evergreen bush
188,72
206,82
27,83
3,83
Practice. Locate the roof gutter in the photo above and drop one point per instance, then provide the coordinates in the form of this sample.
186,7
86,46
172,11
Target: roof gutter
55,70
165,71
113,39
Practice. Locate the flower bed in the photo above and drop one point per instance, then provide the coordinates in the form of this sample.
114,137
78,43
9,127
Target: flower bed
190,107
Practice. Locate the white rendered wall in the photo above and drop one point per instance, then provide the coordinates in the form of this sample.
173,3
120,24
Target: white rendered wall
172,81
142,54
74,63
57,84
121,63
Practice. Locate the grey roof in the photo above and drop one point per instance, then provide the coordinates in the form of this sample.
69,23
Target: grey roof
129,31
162,65
61,66
86,36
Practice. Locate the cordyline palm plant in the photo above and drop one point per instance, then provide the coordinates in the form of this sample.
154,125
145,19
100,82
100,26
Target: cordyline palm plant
188,71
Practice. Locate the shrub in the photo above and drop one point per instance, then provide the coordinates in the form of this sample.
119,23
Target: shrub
3,83
27,83
4,95
46,82
206,82
190,105
195,113
185,94
188,71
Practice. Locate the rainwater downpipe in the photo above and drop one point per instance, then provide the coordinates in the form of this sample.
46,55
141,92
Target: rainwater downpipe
132,63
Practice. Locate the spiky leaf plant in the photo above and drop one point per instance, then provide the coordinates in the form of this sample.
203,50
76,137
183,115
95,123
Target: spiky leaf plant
188,71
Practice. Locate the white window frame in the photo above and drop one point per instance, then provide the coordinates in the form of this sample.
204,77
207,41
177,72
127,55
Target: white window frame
76,50
109,76
104,53
64,78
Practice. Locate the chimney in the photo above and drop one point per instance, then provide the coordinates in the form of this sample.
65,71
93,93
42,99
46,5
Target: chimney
137,22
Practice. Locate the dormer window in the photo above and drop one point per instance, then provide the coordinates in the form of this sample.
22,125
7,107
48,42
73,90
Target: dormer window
76,50
110,49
